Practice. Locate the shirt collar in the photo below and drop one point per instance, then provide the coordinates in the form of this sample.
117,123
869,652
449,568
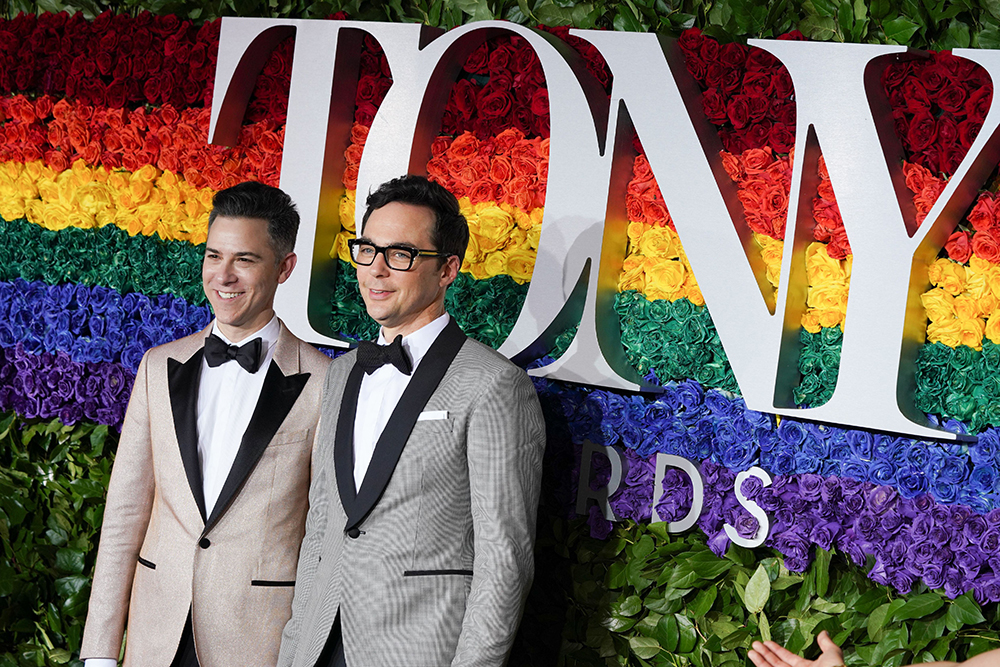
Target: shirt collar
268,333
417,343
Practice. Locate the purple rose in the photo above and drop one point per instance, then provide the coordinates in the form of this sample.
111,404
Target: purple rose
823,534
891,522
868,527
600,527
987,591
955,583
795,550
810,487
990,541
902,581
882,498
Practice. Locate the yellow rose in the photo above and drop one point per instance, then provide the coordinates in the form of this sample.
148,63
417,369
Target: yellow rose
141,191
977,283
118,180
11,208
533,235
966,308
520,264
57,216
340,249
635,232
993,328
945,332
34,211
820,267
970,332
664,278
938,304
632,276
494,223
478,271
35,170
694,295
947,274
830,317
167,180
810,321
495,263
473,253
659,242
347,211
987,304
518,239
828,296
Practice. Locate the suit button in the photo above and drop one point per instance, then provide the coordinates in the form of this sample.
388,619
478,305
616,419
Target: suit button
204,543
353,533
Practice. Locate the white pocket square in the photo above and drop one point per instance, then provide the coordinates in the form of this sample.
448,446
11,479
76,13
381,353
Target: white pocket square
428,415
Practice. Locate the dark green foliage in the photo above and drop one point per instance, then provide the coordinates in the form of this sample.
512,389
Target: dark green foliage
53,479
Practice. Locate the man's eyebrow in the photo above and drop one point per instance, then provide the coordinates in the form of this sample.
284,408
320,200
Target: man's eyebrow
245,253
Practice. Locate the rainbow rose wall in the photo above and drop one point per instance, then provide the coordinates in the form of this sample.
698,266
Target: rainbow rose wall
889,542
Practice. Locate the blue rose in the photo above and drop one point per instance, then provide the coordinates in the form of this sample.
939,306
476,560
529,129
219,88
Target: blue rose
791,432
766,439
948,470
861,443
984,479
739,456
944,491
987,447
883,473
911,482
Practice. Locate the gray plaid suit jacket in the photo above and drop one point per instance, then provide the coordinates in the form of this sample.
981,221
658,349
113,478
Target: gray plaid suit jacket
438,568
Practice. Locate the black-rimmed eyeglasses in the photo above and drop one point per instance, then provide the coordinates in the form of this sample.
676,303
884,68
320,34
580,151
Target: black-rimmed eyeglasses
397,257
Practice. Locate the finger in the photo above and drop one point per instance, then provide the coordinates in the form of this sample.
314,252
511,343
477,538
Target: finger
764,658
774,655
783,654
827,645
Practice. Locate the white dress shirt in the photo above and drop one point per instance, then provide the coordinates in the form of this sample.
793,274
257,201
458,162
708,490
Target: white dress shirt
227,397
380,393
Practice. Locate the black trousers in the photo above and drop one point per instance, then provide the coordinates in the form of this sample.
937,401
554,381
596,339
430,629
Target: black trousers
333,652
186,656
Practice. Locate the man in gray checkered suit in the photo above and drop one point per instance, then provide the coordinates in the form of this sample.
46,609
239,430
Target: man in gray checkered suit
419,537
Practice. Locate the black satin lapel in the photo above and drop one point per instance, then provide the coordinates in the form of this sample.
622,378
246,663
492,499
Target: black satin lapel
397,431
343,444
277,397
182,381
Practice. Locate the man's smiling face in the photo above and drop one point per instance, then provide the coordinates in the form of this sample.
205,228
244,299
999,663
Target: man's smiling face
404,301
240,274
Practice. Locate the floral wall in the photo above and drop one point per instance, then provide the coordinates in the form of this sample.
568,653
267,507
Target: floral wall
892,544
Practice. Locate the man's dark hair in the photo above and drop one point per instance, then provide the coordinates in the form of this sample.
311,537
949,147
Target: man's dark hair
451,230
263,202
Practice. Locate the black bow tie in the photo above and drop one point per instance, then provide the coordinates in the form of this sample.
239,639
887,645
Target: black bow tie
372,356
217,352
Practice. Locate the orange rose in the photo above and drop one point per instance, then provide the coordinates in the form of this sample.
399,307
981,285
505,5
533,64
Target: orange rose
483,190
733,166
359,135
464,146
524,167
756,160
505,141
501,169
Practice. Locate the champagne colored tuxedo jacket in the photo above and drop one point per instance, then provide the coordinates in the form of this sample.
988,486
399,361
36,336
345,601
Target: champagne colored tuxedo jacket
161,556
430,562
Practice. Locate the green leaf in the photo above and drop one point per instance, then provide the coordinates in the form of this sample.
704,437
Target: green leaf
703,601
956,36
988,37
819,604
70,561
667,633
764,626
993,7
826,7
822,568
757,591
820,28
630,606
899,30
644,647
963,611
688,634
919,607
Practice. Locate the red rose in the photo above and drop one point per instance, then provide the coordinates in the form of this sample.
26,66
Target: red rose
365,113
738,111
494,103
968,130
691,40
116,95
921,132
499,60
894,75
915,96
958,247
757,83
709,51
724,78
933,77
732,141
366,89
370,65
540,102
952,99
761,61
978,104
477,60
783,111
714,106
794,35
733,55
696,67
463,99
781,83
985,245
758,105
758,134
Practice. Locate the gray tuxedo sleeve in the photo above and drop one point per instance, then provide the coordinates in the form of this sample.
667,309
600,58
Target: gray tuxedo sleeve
505,442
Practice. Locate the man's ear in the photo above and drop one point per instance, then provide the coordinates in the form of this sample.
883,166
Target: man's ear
285,267
449,270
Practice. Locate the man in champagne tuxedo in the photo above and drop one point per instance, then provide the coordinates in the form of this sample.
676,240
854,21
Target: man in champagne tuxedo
208,496
419,538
